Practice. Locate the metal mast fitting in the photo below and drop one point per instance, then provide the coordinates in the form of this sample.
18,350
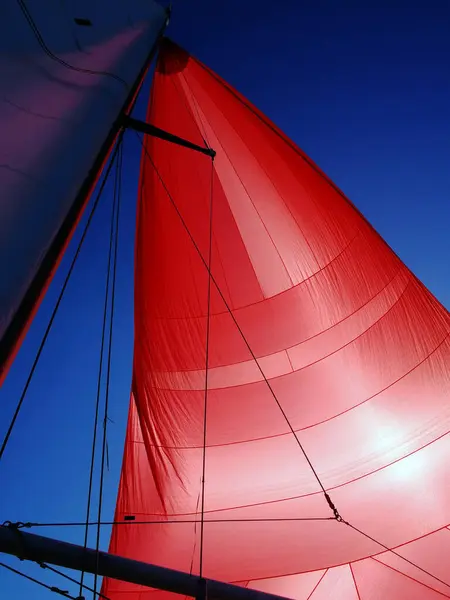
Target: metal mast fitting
154,131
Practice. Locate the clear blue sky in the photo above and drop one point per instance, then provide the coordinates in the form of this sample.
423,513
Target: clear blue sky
363,88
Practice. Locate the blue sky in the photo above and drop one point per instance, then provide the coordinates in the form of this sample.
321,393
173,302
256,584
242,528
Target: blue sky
363,88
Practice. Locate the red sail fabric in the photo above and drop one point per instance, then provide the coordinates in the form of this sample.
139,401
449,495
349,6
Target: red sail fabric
327,365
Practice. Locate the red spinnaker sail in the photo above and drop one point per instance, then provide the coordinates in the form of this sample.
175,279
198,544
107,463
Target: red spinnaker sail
327,364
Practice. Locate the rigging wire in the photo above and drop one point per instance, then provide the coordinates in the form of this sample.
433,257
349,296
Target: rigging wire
337,516
51,588
21,525
117,197
183,222
56,58
163,522
100,370
208,327
172,522
84,586
55,310
44,565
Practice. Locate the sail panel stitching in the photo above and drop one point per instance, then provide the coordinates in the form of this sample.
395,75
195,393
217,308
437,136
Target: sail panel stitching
354,581
327,497
369,537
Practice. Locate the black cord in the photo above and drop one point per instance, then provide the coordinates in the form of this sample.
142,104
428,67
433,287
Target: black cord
205,407
56,58
327,496
41,583
171,522
100,370
55,310
58,572
117,196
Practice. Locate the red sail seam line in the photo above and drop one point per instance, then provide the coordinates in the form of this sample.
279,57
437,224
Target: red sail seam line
240,330
295,370
348,482
340,485
354,580
191,114
318,583
397,554
318,422
207,144
238,327
350,565
297,285
333,566
194,102
385,551
271,180
310,162
364,558
256,210
307,339
380,562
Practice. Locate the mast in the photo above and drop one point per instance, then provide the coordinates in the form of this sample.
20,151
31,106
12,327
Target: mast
38,226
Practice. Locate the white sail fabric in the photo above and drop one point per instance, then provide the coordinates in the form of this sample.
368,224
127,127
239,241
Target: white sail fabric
54,118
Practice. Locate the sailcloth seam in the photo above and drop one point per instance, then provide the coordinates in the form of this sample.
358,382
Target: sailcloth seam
327,497
264,170
225,153
409,576
240,384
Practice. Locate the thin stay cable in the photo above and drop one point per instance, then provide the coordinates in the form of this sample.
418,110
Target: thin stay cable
100,372
205,407
117,194
51,588
65,576
55,310
292,430
172,521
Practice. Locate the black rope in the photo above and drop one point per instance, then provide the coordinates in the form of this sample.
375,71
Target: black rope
100,371
327,496
62,574
51,588
117,196
55,310
169,522
56,58
205,407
